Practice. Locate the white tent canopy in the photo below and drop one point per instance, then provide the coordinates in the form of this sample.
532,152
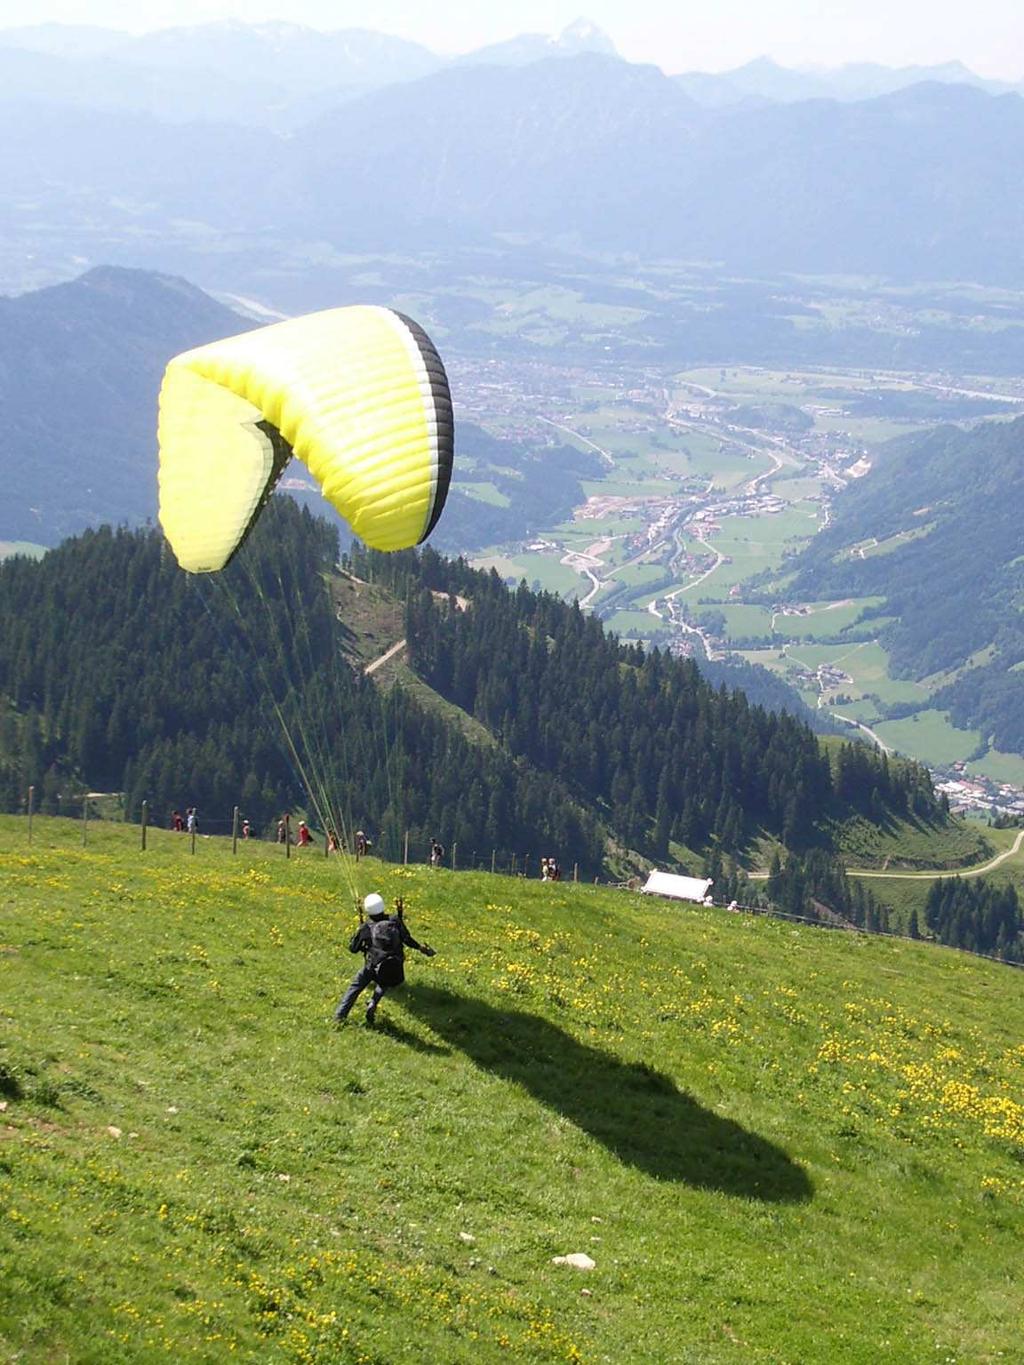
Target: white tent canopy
678,888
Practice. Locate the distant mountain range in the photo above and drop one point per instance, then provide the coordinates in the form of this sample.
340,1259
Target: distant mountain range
277,75
282,56
280,75
763,81
598,153
580,150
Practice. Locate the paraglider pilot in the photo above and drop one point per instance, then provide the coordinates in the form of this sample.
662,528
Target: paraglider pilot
383,939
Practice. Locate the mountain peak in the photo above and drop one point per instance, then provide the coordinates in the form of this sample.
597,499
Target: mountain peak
583,35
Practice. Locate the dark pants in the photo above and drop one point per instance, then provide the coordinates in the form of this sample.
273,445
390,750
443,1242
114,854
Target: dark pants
362,979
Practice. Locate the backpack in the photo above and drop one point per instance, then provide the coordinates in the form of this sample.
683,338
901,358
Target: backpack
385,955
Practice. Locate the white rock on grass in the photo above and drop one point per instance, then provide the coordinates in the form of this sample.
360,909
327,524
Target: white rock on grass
114,1132
468,1238
579,1260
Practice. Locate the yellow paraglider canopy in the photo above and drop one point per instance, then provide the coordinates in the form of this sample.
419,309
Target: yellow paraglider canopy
358,394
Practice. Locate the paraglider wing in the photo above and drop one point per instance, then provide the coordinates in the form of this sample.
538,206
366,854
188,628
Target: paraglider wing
358,394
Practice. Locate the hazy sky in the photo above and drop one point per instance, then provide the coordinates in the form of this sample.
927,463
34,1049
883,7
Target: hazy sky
678,35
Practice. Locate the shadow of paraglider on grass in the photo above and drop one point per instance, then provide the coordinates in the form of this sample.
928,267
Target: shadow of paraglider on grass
634,1111
389,1028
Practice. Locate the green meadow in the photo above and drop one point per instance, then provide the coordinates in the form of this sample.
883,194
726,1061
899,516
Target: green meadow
865,664
777,1144
1000,767
930,736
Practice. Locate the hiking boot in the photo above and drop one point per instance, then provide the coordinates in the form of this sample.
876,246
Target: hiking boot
371,1015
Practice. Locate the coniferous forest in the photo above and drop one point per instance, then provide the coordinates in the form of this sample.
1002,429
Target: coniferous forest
121,673
642,735
977,916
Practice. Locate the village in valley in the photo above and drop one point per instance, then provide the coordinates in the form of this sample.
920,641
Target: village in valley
705,484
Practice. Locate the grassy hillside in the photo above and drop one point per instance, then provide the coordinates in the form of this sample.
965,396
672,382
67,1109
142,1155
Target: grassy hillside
777,1144
913,843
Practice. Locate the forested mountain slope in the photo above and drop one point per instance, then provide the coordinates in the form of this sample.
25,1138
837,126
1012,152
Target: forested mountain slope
128,675
670,759
947,509
136,677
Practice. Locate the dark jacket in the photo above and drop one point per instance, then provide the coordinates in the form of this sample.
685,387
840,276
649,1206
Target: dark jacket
362,941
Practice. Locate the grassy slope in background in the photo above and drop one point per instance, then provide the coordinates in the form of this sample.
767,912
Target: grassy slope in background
778,1144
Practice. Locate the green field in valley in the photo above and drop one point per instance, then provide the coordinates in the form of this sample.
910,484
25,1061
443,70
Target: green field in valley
929,735
741,621
865,686
1001,767
777,1144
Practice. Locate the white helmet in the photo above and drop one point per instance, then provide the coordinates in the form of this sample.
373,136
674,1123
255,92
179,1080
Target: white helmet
374,906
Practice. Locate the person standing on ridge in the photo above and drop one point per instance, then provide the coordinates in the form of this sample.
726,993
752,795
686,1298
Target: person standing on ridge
383,939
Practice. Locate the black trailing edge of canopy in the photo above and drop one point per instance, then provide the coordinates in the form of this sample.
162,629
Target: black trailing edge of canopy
444,418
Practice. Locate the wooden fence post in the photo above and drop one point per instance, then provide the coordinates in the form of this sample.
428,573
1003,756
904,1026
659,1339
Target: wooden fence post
85,819
575,872
31,810
513,864
405,850
193,836
145,822
494,855
454,849
234,830
287,836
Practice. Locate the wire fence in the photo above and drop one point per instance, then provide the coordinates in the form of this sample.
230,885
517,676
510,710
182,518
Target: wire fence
289,834
93,807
